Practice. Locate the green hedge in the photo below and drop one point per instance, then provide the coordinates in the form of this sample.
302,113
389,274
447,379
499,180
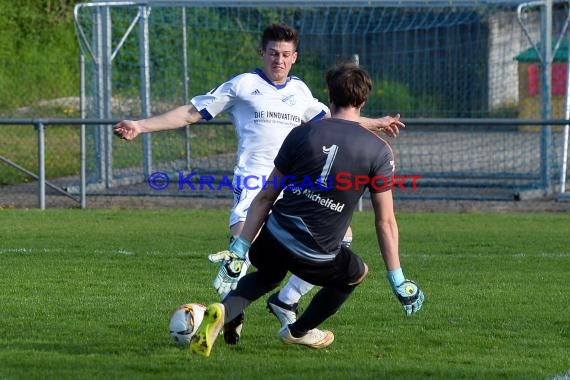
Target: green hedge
38,53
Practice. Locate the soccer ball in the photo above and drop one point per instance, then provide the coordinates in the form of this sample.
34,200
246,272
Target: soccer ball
185,321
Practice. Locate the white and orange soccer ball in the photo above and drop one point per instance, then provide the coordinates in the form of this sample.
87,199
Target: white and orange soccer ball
185,321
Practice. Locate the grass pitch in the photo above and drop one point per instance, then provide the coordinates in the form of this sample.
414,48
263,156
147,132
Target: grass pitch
87,294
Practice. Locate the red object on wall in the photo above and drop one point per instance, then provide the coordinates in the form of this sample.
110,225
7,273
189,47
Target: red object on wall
559,74
559,77
533,80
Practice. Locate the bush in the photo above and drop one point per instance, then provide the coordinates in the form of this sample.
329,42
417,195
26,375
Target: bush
39,57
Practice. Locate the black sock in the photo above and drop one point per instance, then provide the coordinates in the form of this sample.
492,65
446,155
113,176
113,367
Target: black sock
324,304
295,332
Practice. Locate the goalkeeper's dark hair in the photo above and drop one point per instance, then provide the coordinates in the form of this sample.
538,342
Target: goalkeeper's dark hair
279,32
348,85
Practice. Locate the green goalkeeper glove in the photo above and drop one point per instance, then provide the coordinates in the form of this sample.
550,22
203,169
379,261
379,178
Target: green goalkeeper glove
408,292
233,266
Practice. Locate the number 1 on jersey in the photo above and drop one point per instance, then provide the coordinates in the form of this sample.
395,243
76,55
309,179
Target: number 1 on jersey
331,155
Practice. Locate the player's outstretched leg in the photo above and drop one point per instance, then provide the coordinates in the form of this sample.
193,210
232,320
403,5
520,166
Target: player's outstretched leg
232,329
205,337
285,313
283,304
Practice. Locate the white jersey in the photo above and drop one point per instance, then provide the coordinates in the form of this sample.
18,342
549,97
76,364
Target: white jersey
263,115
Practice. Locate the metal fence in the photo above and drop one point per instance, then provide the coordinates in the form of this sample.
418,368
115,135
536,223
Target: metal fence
429,59
482,86
56,160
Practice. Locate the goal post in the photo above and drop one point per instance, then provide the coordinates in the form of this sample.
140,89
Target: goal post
564,193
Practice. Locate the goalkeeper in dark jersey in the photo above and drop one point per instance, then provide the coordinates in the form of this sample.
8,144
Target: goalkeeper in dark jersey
323,168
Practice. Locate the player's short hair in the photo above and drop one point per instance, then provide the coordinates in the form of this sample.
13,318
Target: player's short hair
348,85
279,32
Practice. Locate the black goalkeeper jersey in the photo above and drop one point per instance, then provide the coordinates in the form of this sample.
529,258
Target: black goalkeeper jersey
327,166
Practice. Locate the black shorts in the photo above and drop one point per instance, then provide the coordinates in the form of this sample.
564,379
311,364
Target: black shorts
273,260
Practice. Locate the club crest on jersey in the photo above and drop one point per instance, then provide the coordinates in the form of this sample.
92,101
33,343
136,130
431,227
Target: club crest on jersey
290,100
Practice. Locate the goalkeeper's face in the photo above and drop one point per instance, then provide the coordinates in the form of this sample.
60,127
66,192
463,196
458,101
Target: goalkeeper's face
278,58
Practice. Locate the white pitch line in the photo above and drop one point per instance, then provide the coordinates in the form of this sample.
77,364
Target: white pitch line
22,250
120,251
489,255
15,250
30,250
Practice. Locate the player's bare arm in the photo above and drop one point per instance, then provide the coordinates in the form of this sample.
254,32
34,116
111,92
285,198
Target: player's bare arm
390,125
408,292
261,205
176,118
386,228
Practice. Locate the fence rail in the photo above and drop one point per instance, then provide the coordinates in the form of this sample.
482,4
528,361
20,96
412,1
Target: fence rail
40,124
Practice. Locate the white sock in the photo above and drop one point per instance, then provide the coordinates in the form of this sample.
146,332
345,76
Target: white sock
293,290
346,241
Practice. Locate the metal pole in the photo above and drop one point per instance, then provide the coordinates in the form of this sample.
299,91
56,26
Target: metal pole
145,87
36,177
566,127
107,95
186,81
82,145
564,157
99,91
103,46
567,117
41,167
546,133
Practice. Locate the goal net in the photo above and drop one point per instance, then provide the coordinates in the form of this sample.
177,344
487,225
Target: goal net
456,59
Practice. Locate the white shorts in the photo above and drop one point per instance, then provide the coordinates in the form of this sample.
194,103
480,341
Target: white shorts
243,196
242,200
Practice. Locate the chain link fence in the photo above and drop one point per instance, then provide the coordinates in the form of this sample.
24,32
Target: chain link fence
46,165
436,59
40,95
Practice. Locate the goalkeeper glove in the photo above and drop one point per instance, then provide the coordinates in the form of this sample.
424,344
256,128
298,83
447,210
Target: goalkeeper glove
408,292
233,266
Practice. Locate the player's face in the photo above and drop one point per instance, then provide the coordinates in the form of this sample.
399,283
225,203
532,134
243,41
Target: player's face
278,57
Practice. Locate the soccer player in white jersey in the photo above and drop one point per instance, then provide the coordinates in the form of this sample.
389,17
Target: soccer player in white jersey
264,106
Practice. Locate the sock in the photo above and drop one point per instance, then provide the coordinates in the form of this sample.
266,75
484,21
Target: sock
296,333
325,303
293,290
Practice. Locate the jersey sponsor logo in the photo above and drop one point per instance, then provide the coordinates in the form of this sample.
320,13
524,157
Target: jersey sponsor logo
323,201
284,116
275,116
